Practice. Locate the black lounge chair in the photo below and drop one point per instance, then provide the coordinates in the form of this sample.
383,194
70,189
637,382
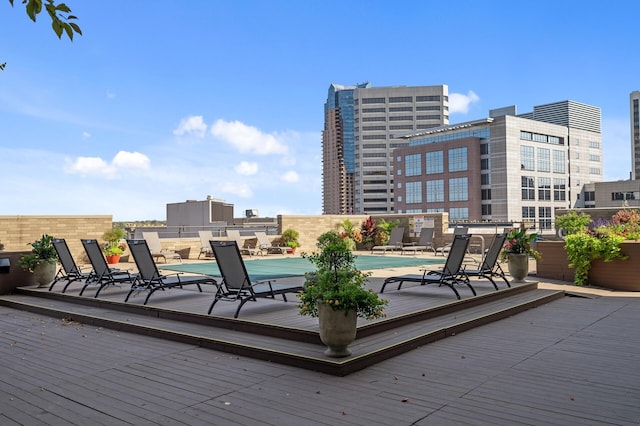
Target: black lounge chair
102,275
450,275
69,270
489,267
237,285
394,243
425,242
458,230
150,279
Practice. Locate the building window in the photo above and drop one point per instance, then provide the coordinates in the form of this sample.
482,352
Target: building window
526,136
559,190
544,215
373,101
558,161
526,158
459,213
544,189
413,165
486,194
529,213
428,98
486,210
589,195
458,159
458,189
485,179
401,99
484,149
593,157
544,160
435,191
594,170
400,109
435,162
594,144
528,188
485,164
413,192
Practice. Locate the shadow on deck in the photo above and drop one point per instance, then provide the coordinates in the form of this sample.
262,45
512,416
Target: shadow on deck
274,331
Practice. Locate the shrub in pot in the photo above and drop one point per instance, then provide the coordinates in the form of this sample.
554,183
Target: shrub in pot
41,261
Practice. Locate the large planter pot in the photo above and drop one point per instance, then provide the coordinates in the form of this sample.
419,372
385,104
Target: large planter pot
518,267
44,273
112,259
337,330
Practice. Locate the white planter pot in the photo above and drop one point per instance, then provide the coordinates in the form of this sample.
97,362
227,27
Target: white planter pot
337,330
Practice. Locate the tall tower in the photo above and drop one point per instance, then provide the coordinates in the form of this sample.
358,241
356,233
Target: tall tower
363,125
634,108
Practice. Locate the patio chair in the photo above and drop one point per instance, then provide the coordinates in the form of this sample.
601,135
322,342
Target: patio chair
149,278
153,240
69,270
425,242
458,230
451,275
265,246
102,275
236,284
205,247
395,241
489,267
234,235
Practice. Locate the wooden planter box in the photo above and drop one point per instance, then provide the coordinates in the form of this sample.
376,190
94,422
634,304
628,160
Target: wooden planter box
617,275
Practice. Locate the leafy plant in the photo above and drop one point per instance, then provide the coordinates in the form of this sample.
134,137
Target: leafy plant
42,250
290,237
337,282
112,237
573,222
584,247
383,230
367,232
350,233
518,241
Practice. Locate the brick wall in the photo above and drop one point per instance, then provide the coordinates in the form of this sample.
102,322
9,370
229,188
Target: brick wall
16,232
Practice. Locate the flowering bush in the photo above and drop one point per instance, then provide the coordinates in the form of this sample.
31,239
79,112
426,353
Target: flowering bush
519,242
601,239
337,282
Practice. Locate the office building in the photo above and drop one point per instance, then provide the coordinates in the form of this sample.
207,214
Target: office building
506,167
634,108
360,132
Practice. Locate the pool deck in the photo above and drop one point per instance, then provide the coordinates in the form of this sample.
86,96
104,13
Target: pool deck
572,360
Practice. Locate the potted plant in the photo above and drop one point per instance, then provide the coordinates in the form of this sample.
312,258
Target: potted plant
517,250
289,238
114,246
350,233
41,261
335,293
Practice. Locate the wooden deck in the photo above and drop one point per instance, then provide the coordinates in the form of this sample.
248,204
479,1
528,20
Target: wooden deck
571,361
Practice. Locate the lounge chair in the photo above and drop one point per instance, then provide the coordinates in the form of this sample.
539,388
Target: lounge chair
149,278
153,240
265,246
69,270
425,242
236,284
205,247
234,235
102,275
395,241
458,230
489,267
451,275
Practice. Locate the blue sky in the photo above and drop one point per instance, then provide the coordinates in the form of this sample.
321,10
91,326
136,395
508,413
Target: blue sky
160,102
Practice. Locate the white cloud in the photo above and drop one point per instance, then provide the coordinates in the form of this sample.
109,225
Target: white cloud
86,135
290,177
193,125
122,163
460,103
131,160
247,139
247,169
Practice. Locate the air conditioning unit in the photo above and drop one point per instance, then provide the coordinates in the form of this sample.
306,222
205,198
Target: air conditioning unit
251,213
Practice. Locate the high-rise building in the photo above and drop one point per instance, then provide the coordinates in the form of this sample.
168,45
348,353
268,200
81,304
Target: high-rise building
634,108
361,129
503,168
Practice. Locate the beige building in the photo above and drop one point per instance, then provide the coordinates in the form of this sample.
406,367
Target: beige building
361,124
504,168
